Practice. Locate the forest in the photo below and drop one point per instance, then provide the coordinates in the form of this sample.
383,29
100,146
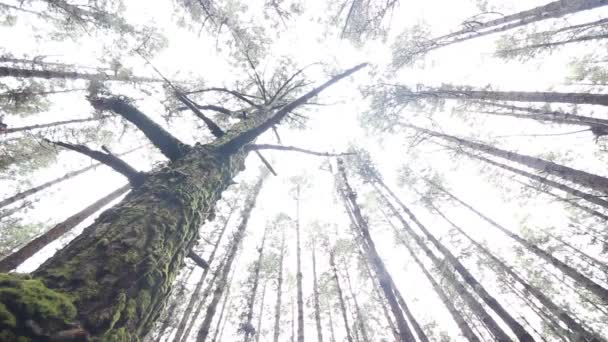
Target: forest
291,170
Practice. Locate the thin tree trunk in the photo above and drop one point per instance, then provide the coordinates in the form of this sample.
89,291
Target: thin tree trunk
52,74
277,308
53,124
247,326
67,176
351,206
332,332
20,256
195,296
594,262
517,96
509,52
258,330
466,330
220,320
237,239
300,295
293,322
360,316
472,303
595,182
565,188
316,295
585,282
376,286
332,264
517,328
578,329
216,337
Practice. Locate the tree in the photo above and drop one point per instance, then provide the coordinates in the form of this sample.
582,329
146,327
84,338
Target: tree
315,289
413,44
332,264
279,288
198,175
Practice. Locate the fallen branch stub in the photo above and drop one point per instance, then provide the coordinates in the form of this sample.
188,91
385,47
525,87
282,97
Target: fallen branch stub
198,260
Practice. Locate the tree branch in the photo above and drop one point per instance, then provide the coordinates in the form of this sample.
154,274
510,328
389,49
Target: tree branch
135,177
198,260
212,126
169,145
249,135
266,163
236,94
209,107
256,147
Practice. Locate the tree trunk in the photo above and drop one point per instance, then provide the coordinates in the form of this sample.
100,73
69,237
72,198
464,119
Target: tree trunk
517,328
72,75
52,124
360,316
581,333
510,52
293,322
300,296
67,176
351,206
195,296
258,331
376,286
218,337
517,96
316,295
246,326
466,330
595,182
277,308
591,261
472,303
581,279
225,304
17,258
332,332
237,239
332,264
572,191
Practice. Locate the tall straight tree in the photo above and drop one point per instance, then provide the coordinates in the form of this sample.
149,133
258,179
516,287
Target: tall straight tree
126,261
300,295
352,208
340,293
407,49
581,279
586,179
360,317
279,290
315,290
579,332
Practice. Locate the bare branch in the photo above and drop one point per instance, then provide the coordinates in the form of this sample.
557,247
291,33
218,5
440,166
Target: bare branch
250,134
214,108
135,177
256,147
213,127
169,145
198,260
240,96
266,163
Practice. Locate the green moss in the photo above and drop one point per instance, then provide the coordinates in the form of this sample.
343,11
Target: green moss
24,299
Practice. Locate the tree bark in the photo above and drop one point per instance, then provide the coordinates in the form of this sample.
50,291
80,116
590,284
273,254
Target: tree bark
237,239
517,328
195,296
472,303
17,258
595,182
332,264
277,308
316,295
300,295
580,332
351,206
581,279
225,304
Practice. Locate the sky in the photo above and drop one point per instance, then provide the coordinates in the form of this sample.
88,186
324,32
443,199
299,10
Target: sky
336,126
